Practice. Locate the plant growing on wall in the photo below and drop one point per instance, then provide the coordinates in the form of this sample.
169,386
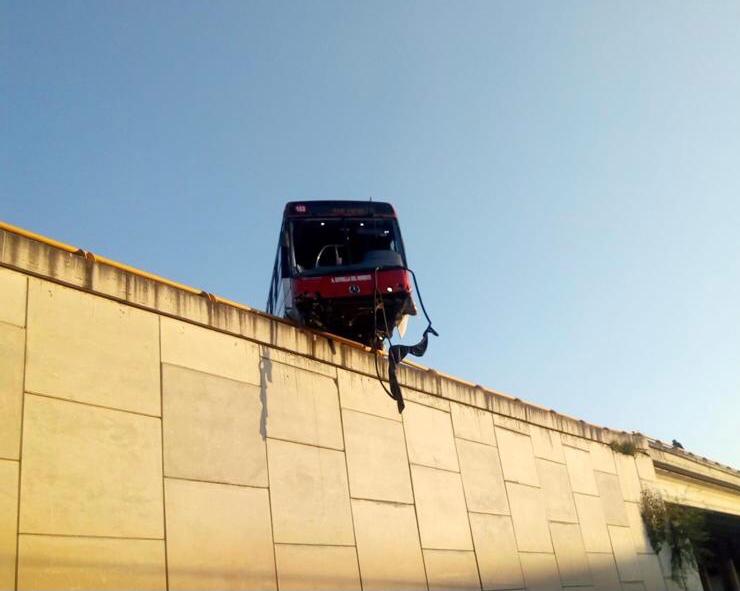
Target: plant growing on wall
680,529
624,447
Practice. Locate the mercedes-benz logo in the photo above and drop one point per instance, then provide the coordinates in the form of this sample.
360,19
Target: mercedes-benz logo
354,288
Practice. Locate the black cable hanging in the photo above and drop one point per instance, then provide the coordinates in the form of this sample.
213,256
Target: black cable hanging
397,353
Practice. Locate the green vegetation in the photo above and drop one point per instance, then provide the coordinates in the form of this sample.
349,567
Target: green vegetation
624,447
680,529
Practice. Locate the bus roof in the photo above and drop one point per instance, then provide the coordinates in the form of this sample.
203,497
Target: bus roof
309,209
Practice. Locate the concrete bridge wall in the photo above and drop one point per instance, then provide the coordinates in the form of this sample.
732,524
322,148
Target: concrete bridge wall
153,437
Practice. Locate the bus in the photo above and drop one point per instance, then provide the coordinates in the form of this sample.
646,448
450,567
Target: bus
341,267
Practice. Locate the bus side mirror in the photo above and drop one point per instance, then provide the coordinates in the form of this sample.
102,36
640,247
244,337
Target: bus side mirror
284,239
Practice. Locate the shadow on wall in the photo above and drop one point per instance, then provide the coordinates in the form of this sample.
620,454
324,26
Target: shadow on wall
34,571
265,377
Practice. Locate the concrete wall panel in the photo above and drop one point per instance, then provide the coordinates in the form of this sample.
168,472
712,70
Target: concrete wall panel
429,437
651,573
8,522
529,517
664,559
628,477
12,357
388,546
637,528
410,395
90,471
558,497
89,349
472,424
298,361
317,568
570,554
218,536
580,471
376,458
302,406
610,492
512,423
13,297
440,505
52,563
602,457
495,547
593,523
483,480
212,428
547,444
540,571
645,468
577,442
604,571
210,351
309,494
451,570
365,394
624,553
517,457
693,582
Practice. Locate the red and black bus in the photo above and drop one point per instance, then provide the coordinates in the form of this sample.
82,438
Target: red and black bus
341,267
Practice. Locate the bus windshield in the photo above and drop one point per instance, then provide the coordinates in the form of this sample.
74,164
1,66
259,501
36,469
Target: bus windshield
320,245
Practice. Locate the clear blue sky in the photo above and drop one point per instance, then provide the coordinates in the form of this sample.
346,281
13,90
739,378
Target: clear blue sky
567,174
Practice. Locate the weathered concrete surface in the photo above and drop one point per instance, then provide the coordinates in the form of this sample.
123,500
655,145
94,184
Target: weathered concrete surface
152,438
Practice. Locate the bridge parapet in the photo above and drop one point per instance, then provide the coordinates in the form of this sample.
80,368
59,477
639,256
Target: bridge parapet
688,479
80,269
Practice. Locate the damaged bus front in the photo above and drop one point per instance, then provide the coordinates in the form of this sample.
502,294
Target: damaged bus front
341,268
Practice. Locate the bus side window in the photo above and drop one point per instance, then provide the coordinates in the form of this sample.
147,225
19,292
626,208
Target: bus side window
284,262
